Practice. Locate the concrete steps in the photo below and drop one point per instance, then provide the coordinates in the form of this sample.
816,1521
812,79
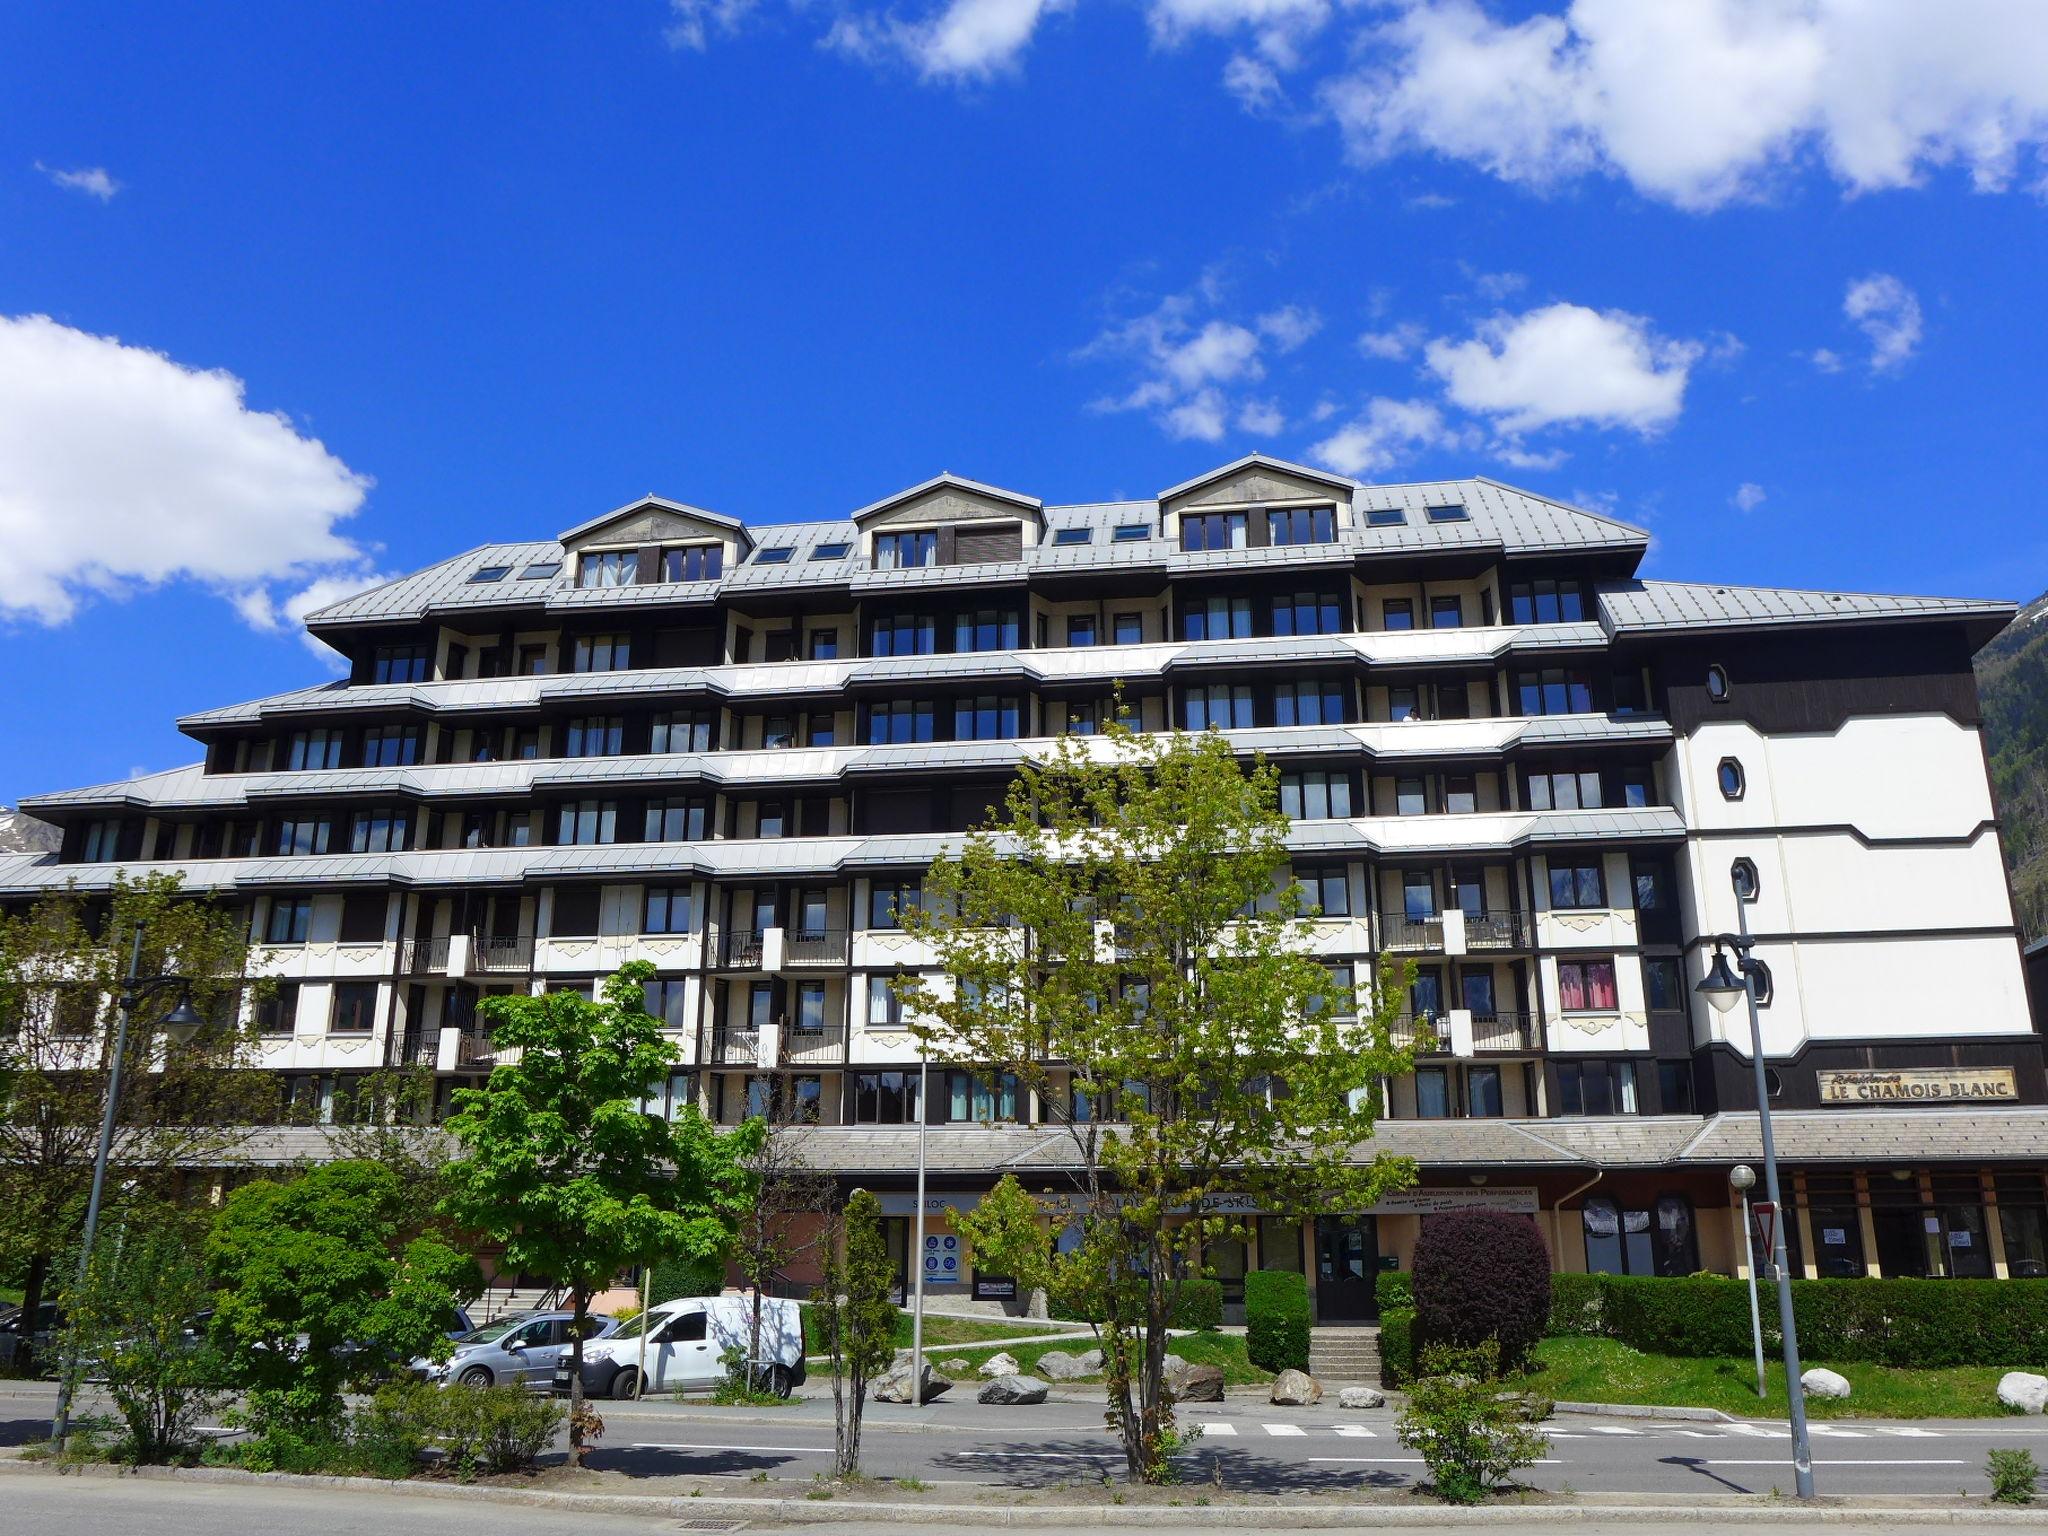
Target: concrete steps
1344,1357
496,1303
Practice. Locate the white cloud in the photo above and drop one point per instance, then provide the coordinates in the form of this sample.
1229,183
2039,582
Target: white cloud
1200,416
1703,102
1494,287
1219,351
1290,326
1254,82
1392,344
691,22
964,42
1748,497
1825,360
1387,432
1888,313
1509,451
1262,418
92,180
120,469
1565,364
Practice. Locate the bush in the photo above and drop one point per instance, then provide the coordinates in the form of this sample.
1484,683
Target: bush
1481,1276
2013,1476
1276,1319
1470,1436
1200,1303
488,1430
1575,1306
1680,1317
673,1278
1397,1346
1394,1291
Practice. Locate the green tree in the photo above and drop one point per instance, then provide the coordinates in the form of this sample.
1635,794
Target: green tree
857,1321
1126,936
181,1107
784,1223
1006,1235
319,1287
131,1324
391,1121
562,1166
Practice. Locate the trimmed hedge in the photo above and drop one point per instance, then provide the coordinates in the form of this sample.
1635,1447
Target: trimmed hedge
685,1277
1276,1319
1394,1290
1200,1303
1575,1306
1397,1346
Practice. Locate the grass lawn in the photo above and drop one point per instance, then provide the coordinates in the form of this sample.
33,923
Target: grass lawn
1224,1349
956,1330
1604,1371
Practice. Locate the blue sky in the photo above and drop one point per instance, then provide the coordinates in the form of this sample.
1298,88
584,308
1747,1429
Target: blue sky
337,291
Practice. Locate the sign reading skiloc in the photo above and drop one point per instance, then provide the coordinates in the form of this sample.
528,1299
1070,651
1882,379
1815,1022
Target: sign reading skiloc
1919,1085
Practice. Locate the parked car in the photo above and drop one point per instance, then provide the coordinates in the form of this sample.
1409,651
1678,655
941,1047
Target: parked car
522,1349
687,1343
38,1338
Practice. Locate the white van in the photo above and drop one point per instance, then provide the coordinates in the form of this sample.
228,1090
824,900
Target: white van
686,1347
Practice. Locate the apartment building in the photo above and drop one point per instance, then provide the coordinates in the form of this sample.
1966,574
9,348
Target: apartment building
732,749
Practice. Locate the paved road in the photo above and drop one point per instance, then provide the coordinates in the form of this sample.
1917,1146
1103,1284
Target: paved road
1248,1444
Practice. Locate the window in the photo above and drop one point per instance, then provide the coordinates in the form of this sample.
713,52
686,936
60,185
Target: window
533,660
885,1007
1449,513
1128,629
1327,888
594,736
1461,795
488,573
1447,612
694,562
1403,704
973,1096
985,717
986,629
1546,602
1731,779
1301,525
1217,618
903,634
1482,1093
608,568
1342,998
304,836
1410,798
1418,895
1080,629
278,1013
1562,790
777,732
668,909
589,821
1476,992
541,570
1586,986
291,920
835,550
778,554
1081,719
1628,697
901,551
1577,886
1663,986
1222,705
399,664
674,820
1454,701
824,645
1743,876
667,998
1554,691
1307,613
1638,787
391,746
601,653
1652,881
102,838
382,830
771,819
1397,613
1596,1087
1128,533
885,1098
313,749
810,1007
1385,517
887,898
1674,1088
355,1007
1213,530
1717,684
1309,703
899,720
681,730
1432,1093
1067,536
823,730
1315,796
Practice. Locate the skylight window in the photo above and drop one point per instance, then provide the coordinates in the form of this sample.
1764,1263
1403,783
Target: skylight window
1127,532
835,551
1449,513
485,573
1385,517
775,554
540,570
1073,535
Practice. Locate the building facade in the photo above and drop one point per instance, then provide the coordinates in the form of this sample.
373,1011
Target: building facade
732,750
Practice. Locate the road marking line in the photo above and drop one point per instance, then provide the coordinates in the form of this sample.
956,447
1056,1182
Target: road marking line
1284,1429
1354,1432
1041,1455
1869,1461
1404,1461
1613,1429
1917,1434
1215,1427
1833,1433
670,1445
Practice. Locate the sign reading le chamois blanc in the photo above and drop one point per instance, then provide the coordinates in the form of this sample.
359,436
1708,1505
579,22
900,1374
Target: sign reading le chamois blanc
1919,1085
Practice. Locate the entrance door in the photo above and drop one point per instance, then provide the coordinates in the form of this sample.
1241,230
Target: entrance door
1347,1263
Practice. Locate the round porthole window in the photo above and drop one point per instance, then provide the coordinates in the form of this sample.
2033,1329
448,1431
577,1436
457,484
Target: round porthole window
1744,877
1729,774
1717,684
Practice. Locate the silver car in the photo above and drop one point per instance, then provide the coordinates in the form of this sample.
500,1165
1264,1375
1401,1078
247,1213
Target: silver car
522,1350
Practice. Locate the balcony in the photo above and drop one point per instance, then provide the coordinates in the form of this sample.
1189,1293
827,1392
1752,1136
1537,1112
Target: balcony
1497,931
1413,933
820,946
732,1046
741,950
423,957
497,954
416,1050
1423,1031
1503,1032
823,1045
473,1049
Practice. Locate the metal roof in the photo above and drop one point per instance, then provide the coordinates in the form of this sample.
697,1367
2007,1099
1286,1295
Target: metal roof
1647,606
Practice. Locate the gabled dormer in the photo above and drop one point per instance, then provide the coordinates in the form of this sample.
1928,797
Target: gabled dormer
654,540
948,520
1255,502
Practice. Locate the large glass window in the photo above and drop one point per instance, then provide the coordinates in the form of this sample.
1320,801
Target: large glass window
391,746
1328,888
594,736
900,551
1547,602
1554,691
1586,986
1663,987
976,1096
1564,789
903,634
1482,1093
885,1098
1315,796
669,909
986,629
1397,613
986,717
291,920
305,835
589,821
1577,885
1411,797
381,830
313,749
1309,703
355,1007
601,653
1212,530
888,898
608,568
1215,618
1596,1088
677,820
892,721
692,562
1308,613
399,664
681,730
1221,705
1447,611
1617,1241
1301,525
1432,1093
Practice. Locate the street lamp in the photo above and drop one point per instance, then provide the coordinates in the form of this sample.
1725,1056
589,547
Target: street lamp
924,1120
179,1026
1721,987
1742,1178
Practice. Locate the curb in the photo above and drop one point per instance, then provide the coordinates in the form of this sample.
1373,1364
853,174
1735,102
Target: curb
803,1511
1640,1411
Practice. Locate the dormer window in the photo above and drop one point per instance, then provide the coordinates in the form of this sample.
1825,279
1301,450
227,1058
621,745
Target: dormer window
1214,530
608,568
902,551
692,562
1302,525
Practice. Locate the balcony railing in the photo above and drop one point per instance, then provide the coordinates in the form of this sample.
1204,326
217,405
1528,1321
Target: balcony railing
473,1049
1503,1032
1414,933
822,1045
1424,1030
493,953
733,1047
742,949
416,1050
816,946
420,956
1497,930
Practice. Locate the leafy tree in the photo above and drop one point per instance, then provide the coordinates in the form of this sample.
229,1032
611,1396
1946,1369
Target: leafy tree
1126,937
132,1323
1006,1235
180,1107
391,1121
1469,1434
319,1287
1480,1276
786,1221
857,1319
563,1167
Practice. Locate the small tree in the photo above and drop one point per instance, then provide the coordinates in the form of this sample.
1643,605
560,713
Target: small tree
786,1221
320,1287
858,1321
1480,1276
1126,940
391,1122
562,1165
1470,1436
131,1325
1006,1235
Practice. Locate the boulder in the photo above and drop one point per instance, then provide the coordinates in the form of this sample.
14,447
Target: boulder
1361,1397
957,1366
1196,1384
1017,1391
2023,1392
1004,1364
1091,1361
1058,1365
1296,1389
1170,1365
1821,1382
894,1387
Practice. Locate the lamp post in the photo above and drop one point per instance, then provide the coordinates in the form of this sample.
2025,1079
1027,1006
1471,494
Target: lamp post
1722,987
1741,1178
924,1119
179,1026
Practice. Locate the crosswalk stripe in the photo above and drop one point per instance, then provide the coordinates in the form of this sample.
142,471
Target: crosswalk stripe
1216,1427
1837,1434
1285,1429
1908,1431
1354,1431
1614,1429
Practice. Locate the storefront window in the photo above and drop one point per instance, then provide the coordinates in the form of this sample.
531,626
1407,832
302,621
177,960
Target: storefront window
1837,1230
1618,1242
1676,1243
2023,1222
1280,1244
